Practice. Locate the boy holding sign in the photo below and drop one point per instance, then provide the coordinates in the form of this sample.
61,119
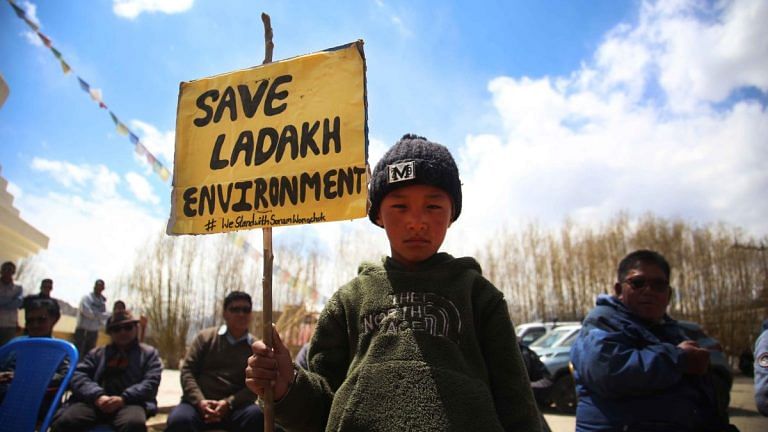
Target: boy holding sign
420,342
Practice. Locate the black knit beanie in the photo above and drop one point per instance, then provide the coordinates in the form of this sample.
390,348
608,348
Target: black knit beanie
415,160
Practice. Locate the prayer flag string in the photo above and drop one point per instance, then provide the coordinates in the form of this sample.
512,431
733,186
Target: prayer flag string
284,276
142,150
97,97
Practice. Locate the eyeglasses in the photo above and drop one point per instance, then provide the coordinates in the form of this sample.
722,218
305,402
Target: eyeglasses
658,285
241,309
121,328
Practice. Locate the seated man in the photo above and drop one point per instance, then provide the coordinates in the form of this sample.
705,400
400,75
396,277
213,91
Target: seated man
115,384
40,316
213,376
634,368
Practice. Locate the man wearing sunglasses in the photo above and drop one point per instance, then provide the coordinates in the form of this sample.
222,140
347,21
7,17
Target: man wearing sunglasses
115,384
213,376
634,367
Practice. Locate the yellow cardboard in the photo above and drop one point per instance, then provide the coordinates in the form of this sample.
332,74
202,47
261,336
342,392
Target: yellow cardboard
283,143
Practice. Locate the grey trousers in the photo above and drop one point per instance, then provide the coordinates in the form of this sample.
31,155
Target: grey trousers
85,340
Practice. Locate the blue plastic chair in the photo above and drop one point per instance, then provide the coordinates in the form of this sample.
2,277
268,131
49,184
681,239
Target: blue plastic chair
37,359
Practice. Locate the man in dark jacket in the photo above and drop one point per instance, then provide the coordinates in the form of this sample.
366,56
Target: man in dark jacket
213,376
115,384
634,368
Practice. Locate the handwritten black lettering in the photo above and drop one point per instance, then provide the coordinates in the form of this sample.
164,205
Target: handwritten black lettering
273,192
249,102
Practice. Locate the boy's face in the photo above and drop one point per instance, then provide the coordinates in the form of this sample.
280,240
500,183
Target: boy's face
38,322
415,218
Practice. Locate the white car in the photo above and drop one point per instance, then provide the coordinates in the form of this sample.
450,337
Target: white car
554,350
527,333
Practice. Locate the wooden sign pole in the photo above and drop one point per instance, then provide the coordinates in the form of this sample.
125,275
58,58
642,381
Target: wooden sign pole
266,313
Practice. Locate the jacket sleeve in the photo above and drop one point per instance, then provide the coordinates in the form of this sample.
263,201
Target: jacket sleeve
83,385
15,301
307,404
511,389
617,360
146,389
242,398
761,373
192,392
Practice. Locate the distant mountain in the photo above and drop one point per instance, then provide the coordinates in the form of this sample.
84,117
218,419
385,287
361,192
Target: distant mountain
66,308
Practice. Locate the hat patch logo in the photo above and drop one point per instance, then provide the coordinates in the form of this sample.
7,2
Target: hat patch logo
401,171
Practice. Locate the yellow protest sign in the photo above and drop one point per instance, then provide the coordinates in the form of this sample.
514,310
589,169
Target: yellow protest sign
279,144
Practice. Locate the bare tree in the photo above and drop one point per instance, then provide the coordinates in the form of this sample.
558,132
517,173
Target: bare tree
557,274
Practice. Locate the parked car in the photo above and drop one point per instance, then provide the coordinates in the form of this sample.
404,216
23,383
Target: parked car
554,350
527,333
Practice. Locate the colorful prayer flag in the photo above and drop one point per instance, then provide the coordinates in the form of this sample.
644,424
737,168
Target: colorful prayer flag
164,173
65,67
44,38
19,11
122,129
84,85
31,24
95,94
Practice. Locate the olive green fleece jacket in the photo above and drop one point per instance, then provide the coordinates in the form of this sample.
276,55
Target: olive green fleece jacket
426,350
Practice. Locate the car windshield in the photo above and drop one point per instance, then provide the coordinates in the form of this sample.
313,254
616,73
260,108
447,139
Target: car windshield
569,340
550,338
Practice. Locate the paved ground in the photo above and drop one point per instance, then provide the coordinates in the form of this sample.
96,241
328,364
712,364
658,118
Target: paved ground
743,412
170,389
742,409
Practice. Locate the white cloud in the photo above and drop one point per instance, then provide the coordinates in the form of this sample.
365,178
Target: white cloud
161,144
132,8
94,231
141,188
592,144
694,60
705,61
394,19
14,190
32,38
30,10
99,179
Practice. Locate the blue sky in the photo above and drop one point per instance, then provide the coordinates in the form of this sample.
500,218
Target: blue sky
553,109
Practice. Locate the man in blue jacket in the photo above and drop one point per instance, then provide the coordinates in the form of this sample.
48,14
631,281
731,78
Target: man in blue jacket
114,384
761,371
634,368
